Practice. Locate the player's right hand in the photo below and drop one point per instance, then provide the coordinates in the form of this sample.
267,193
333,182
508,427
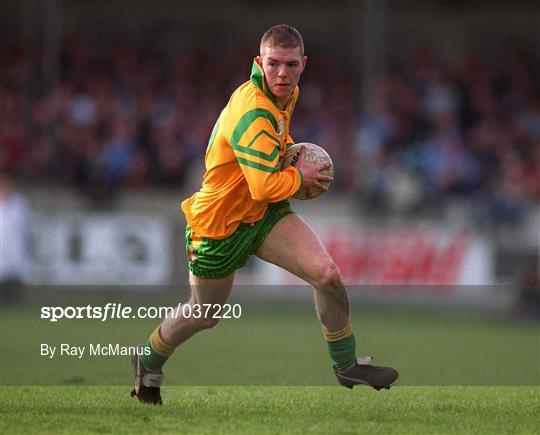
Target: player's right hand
311,173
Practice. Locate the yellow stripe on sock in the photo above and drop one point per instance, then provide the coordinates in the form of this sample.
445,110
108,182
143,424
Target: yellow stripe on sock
158,345
338,335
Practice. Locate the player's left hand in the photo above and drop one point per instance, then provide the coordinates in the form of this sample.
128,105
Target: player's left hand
311,173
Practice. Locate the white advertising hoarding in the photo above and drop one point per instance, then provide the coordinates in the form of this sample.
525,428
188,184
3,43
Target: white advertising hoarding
102,249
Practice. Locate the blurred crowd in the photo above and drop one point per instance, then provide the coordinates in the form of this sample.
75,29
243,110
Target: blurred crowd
118,117
467,129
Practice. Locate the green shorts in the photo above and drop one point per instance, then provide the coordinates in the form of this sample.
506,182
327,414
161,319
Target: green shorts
218,258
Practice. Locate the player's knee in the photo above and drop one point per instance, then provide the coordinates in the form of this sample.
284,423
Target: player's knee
328,276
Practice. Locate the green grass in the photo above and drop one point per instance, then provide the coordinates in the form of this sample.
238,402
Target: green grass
284,342
269,372
253,410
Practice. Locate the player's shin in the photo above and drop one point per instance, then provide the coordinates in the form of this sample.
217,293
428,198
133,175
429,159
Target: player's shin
332,306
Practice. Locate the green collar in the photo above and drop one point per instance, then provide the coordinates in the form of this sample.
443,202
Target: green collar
258,79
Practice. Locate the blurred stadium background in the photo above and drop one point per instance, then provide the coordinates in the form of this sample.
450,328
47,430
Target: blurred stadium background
430,111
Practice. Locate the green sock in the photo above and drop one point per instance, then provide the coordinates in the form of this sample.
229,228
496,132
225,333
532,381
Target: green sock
152,360
156,352
343,352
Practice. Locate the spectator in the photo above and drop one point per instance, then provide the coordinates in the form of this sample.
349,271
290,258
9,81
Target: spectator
15,238
124,118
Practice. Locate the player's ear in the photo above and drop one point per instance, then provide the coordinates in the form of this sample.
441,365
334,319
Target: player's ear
304,61
258,59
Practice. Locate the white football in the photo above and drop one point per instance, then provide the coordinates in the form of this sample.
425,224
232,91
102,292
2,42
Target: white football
314,154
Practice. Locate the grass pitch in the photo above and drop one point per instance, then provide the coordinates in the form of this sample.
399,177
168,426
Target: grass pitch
269,372
282,345
252,410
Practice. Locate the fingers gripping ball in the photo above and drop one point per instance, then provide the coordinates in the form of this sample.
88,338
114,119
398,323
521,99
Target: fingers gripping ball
314,155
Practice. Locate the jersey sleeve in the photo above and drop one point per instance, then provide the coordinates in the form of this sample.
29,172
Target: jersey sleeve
257,150
290,141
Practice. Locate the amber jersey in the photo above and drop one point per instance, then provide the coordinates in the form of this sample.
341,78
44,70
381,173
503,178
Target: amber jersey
243,161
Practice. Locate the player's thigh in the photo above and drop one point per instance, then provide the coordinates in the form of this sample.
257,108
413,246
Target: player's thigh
210,291
293,245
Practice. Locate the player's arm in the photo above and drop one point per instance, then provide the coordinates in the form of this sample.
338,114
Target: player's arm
257,150
290,141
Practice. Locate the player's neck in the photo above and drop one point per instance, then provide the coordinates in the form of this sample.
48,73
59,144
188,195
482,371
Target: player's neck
283,102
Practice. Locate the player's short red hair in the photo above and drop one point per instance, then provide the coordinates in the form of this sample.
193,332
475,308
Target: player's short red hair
284,36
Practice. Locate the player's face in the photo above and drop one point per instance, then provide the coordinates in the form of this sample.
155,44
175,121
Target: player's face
282,68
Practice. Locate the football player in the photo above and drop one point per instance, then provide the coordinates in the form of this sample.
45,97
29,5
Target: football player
242,210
